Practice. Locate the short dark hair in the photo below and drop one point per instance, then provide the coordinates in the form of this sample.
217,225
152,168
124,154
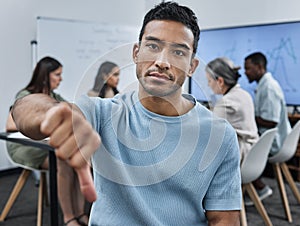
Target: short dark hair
258,58
174,12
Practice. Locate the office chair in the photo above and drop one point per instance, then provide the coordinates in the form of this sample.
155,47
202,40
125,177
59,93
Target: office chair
278,161
42,195
251,168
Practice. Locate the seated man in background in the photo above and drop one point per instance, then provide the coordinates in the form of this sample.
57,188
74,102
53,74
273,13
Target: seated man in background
270,108
164,158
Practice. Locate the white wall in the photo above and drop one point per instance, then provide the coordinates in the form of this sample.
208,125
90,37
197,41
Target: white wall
18,28
217,13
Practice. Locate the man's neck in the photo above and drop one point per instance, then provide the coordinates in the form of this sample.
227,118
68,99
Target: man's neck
260,77
167,106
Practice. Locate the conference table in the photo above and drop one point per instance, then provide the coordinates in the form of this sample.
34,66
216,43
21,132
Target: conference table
43,144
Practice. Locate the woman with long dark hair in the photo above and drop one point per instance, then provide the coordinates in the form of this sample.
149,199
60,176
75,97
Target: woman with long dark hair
106,80
45,79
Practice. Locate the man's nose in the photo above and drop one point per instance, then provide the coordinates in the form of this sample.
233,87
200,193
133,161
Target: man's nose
163,60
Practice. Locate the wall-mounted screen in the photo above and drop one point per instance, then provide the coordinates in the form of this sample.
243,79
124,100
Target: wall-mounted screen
279,42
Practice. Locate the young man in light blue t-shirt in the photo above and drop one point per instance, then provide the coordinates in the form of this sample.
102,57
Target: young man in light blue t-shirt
163,158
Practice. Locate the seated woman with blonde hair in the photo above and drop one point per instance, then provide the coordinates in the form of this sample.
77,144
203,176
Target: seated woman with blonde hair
236,104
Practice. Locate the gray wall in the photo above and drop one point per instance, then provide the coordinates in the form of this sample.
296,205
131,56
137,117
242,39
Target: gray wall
18,28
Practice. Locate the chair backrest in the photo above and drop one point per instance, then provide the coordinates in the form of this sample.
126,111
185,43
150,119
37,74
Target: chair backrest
256,160
289,146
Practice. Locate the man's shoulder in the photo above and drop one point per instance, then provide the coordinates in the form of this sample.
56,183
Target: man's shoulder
269,81
269,85
210,120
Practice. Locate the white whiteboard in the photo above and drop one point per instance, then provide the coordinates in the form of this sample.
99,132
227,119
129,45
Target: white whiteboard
81,47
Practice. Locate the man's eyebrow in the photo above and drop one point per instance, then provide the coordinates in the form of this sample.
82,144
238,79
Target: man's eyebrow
180,45
151,38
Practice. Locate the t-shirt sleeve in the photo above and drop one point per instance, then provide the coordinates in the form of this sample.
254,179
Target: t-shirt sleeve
269,107
88,106
224,192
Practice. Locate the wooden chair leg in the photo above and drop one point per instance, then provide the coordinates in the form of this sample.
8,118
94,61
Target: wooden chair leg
14,194
290,180
258,204
40,201
243,213
282,190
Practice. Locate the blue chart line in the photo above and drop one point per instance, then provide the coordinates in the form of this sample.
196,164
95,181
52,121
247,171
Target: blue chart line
231,52
279,70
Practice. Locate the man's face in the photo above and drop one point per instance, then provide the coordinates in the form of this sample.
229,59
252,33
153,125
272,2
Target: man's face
252,71
164,57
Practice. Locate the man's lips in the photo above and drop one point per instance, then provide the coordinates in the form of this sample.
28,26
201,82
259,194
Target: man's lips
160,75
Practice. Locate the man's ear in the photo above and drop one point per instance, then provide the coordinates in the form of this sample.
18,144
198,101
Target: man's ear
193,66
135,52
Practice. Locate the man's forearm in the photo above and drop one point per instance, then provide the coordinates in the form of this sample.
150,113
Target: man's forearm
265,123
223,218
29,111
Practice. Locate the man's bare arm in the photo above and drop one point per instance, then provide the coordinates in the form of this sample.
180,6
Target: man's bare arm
39,116
223,218
29,112
10,124
265,123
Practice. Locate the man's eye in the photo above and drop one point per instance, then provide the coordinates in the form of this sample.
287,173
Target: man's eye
179,53
152,46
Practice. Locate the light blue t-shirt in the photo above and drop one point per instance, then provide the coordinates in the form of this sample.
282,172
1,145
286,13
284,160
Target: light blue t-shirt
158,170
270,105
